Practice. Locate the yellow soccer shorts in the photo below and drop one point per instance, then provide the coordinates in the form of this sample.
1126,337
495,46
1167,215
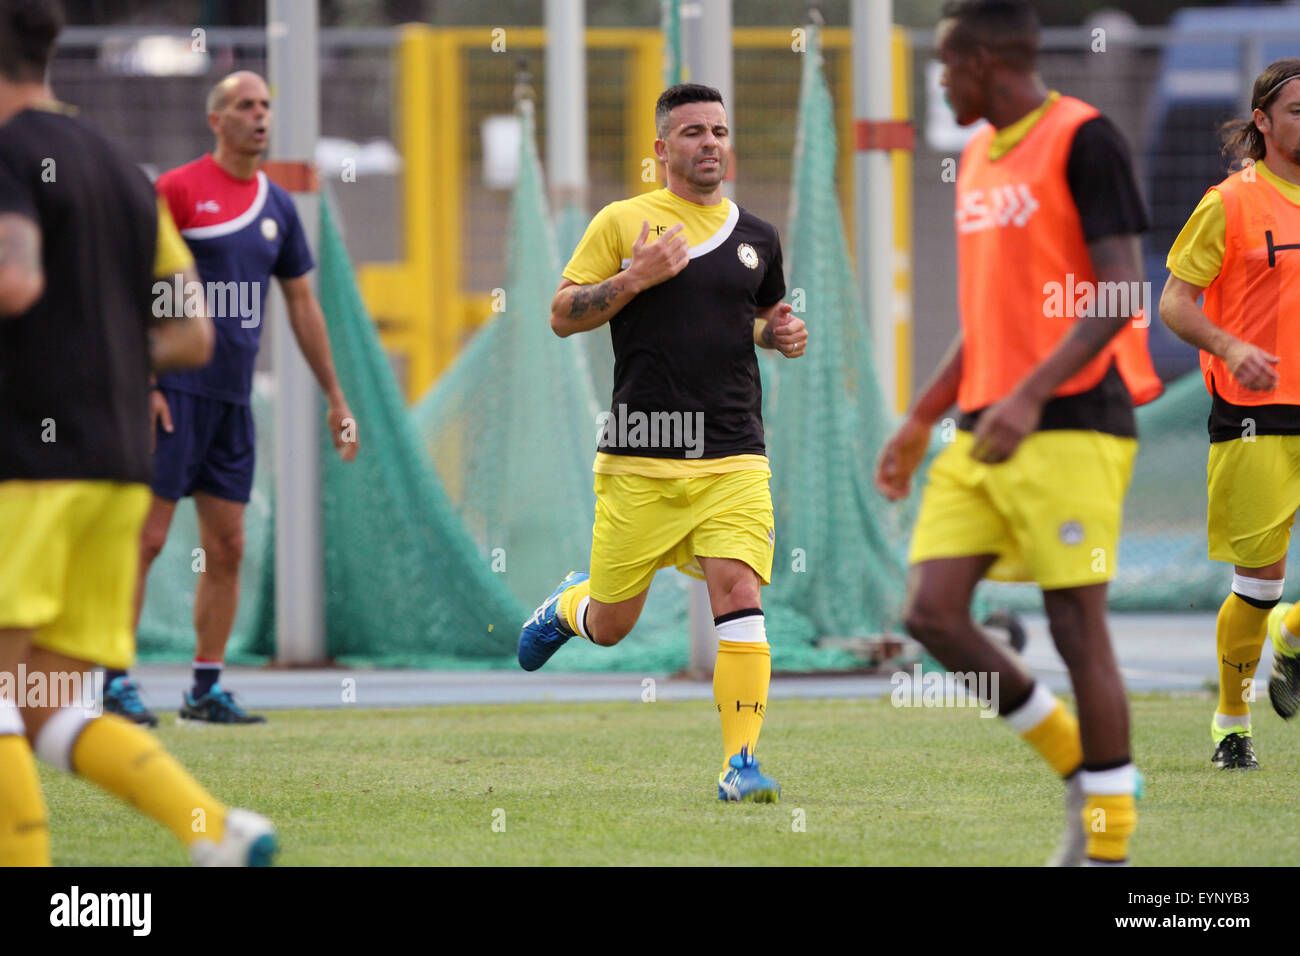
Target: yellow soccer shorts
1051,513
644,524
69,557
1253,489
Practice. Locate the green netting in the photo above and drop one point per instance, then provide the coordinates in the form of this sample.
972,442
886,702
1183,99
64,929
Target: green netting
511,426
405,583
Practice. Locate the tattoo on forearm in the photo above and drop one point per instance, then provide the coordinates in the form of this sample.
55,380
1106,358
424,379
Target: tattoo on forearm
593,298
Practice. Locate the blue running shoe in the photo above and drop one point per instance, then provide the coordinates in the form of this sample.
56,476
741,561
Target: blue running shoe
217,706
122,697
543,634
742,781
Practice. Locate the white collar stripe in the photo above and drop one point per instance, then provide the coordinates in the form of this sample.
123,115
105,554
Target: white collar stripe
715,240
239,222
719,237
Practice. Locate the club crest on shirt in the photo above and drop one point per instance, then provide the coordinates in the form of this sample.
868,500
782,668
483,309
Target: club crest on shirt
747,255
1071,532
269,229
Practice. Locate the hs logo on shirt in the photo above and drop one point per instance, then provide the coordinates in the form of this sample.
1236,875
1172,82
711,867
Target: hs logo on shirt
1012,205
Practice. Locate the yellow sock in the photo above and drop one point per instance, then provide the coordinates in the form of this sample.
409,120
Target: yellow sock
1292,620
24,829
570,598
1044,723
740,681
131,763
1109,820
1239,635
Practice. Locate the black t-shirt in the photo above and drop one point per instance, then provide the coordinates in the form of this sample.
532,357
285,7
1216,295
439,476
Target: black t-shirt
1228,421
74,369
1099,171
1100,174
687,346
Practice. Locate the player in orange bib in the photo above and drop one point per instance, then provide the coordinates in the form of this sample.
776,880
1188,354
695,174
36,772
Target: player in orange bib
1049,362
1241,249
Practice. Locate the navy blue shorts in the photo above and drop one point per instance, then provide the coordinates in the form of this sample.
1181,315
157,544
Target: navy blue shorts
211,449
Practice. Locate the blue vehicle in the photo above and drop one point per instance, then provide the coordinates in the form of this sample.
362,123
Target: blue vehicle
1203,82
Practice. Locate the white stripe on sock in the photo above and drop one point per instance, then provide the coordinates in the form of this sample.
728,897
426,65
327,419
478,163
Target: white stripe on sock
1034,711
1292,641
55,740
1108,783
581,614
1257,588
11,720
1227,721
749,629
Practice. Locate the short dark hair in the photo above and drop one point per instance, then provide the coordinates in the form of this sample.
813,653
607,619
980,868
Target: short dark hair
28,29
1008,28
1242,139
680,95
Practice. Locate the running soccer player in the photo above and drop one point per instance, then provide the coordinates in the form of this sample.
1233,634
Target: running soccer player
1032,487
681,471
82,236
1241,249
242,230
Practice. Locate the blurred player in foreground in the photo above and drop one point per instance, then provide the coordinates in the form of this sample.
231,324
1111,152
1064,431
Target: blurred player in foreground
242,229
1241,249
82,237
690,283
1033,486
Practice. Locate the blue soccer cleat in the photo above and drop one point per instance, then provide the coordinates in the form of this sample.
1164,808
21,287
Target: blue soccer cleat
543,634
217,706
742,781
122,697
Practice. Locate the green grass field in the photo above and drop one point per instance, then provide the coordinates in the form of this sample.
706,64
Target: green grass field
629,784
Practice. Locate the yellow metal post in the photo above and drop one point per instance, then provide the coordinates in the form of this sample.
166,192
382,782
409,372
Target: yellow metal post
446,170
644,84
400,294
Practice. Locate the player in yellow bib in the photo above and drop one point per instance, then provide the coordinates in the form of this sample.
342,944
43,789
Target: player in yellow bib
690,283
1241,250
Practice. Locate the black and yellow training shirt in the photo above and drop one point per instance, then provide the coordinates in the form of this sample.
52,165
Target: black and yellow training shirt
687,394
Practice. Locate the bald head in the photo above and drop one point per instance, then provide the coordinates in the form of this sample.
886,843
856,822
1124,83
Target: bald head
224,90
239,115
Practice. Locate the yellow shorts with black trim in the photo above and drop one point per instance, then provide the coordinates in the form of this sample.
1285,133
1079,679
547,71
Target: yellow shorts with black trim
1051,514
69,557
644,524
1253,489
